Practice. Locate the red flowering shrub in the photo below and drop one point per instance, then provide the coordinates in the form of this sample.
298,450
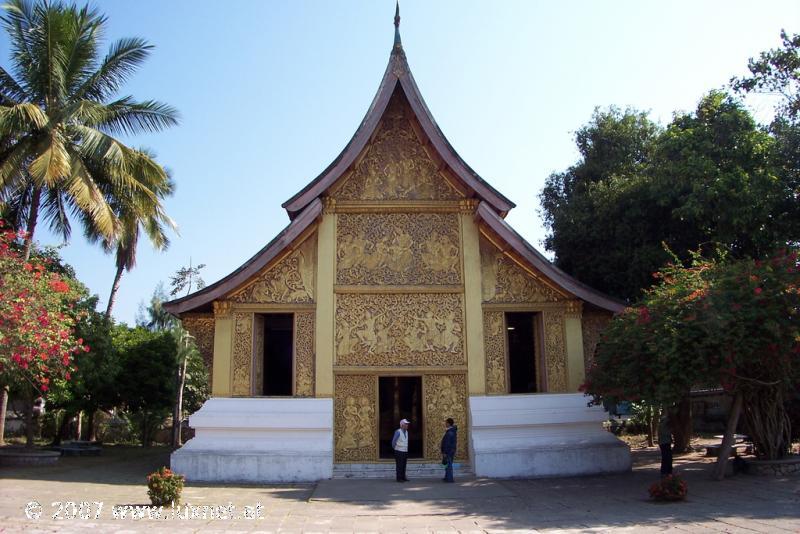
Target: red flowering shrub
669,488
164,487
735,325
36,325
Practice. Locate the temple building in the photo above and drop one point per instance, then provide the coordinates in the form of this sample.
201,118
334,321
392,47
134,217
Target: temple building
397,290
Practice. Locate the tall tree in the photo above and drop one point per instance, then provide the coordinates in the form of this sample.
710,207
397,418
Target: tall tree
711,177
135,217
59,115
776,72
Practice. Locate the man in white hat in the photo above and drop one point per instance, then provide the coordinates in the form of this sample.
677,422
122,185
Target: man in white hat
400,447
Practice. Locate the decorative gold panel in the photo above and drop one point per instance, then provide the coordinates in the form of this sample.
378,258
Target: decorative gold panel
201,327
304,354
242,353
505,281
555,351
395,166
291,280
399,329
258,355
494,342
592,325
445,396
355,418
398,249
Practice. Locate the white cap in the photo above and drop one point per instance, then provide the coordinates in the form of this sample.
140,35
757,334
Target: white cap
406,421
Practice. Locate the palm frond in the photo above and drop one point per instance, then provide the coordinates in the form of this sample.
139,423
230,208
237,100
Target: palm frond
88,198
54,211
85,32
10,91
125,116
20,119
13,161
122,60
52,164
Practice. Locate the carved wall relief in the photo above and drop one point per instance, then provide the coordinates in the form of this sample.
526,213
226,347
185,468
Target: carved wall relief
395,165
592,325
291,280
398,249
445,396
258,355
494,340
355,423
555,351
242,353
304,354
399,329
505,281
202,329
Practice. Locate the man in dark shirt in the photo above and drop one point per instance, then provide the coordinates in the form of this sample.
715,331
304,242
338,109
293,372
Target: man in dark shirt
449,441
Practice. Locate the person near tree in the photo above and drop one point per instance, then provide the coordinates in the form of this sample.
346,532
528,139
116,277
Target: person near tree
665,443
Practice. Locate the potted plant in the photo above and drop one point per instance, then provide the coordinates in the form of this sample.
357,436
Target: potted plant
164,487
669,488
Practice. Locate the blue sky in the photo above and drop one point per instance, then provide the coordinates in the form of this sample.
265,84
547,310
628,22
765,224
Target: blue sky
271,91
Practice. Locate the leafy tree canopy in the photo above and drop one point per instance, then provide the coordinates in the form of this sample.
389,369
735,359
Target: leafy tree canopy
711,177
734,323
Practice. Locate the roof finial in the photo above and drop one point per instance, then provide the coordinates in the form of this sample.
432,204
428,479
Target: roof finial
397,42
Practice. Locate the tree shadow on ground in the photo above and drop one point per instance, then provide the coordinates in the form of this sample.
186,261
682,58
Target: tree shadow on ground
601,501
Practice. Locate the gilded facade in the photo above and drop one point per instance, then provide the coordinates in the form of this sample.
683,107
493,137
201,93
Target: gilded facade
291,280
494,333
355,424
242,353
396,263
396,165
403,329
398,249
445,396
304,354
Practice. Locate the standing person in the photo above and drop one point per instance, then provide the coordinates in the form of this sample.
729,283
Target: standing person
665,443
449,441
400,447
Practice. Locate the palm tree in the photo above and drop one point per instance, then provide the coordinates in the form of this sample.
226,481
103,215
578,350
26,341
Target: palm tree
58,153
135,217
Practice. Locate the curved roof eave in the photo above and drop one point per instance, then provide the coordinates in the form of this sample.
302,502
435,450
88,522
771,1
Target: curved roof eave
205,296
539,262
397,71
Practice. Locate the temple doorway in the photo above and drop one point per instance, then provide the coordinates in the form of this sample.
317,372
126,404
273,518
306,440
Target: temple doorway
521,352
278,343
400,397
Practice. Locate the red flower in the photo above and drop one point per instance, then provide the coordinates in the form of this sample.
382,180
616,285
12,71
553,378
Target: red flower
757,291
58,286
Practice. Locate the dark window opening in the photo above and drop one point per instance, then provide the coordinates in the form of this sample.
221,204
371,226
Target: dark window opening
278,351
521,352
400,397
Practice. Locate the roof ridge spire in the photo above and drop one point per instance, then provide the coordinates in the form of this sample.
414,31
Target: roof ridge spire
397,42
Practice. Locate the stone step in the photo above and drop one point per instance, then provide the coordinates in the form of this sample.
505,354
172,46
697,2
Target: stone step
386,470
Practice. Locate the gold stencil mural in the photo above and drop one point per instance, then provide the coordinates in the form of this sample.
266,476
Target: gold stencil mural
258,355
291,280
396,330
242,353
355,423
555,351
505,281
592,324
201,327
304,354
445,396
494,339
395,165
398,249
